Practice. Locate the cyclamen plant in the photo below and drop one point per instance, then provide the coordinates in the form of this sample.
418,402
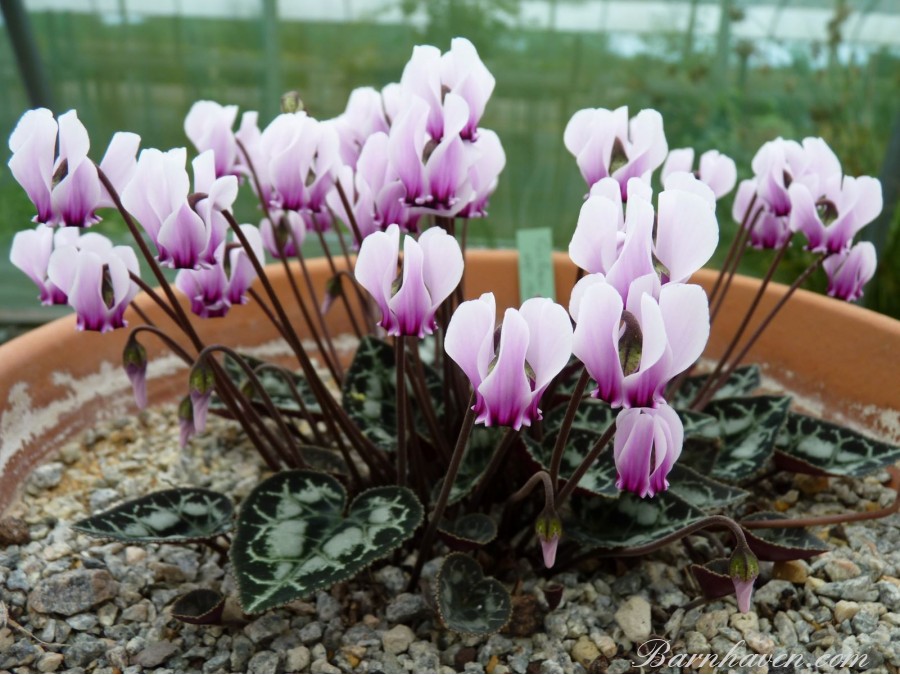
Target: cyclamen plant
599,401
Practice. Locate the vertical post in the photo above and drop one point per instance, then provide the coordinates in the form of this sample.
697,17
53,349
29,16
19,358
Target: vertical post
27,55
272,88
723,42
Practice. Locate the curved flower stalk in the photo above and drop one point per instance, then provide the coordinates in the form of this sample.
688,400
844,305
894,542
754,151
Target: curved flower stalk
208,125
96,278
64,186
31,251
633,349
648,442
213,290
509,380
849,271
432,268
623,248
608,143
186,229
716,170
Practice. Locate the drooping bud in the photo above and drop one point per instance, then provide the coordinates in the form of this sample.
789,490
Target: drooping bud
291,102
743,569
201,384
134,360
186,420
549,530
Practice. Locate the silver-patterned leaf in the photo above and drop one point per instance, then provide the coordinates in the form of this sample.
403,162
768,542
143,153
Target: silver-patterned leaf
293,537
832,449
698,424
469,602
592,415
469,531
628,521
782,543
748,428
274,384
482,443
599,479
701,491
742,382
180,515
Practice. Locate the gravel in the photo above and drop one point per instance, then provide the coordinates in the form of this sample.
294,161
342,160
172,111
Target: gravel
98,607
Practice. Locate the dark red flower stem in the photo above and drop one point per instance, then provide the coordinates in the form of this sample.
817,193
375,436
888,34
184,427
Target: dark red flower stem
591,457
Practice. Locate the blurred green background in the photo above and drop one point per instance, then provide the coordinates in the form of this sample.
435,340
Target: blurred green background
725,74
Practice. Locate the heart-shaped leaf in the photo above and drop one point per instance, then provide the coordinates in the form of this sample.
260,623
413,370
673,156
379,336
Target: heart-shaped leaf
201,606
323,459
173,516
469,602
468,532
591,415
274,384
748,428
293,537
828,448
599,479
714,578
628,521
782,543
742,382
700,454
701,491
369,393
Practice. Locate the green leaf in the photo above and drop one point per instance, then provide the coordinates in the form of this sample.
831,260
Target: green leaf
698,424
591,415
293,537
275,386
742,382
369,393
714,578
599,479
628,521
201,606
700,491
468,532
824,447
482,444
468,601
782,543
323,459
748,428
172,516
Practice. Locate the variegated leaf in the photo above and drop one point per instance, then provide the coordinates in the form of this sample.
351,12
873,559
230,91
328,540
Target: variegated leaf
293,537
482,443
369,393
274,384
469,602
591,415
599,479
748,428
698,424
180,515
782,543
701,491
628,521
742,382
829,448
469,531
714,578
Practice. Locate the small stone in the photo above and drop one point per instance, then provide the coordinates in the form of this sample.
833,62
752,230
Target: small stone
83,622
263,662
889,595
864,623
48,663
607,645
585,651
327,607
695,643
80,654
406,608
265,627
795,571
633,618
397,639
297,659
859,589
310,633
322,666
219,663
841,569
134,554
72,592
103,498
155,654
710,623
46,476
13,532
845,610
18,581
761,644
392,578
138,613
106,614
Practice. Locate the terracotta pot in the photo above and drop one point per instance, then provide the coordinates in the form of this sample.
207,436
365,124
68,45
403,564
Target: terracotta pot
56,382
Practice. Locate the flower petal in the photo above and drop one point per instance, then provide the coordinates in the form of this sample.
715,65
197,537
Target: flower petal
470,337
506,391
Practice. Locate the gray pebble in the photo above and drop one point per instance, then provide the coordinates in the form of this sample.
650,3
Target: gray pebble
83,622
322,666
17,581
102,499
83,651
327,608
392,578
241,651
859,589
297,659
45,476
72,592
265,627
311,633
406,608
264,662
217,663
155,654
889,595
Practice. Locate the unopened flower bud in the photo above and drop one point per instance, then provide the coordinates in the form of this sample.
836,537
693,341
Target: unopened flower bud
185,420
201,384
549,530
743,569
333,290
134,360
291,102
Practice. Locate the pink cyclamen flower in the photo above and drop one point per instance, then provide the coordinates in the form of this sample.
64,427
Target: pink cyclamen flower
484,172
31,251
648,443
606,143
432,268
716,170
633,349
363,116
767,230
844,207
849,271
509,380
65,187
96,278
282,238
464,74
214,290
208,125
